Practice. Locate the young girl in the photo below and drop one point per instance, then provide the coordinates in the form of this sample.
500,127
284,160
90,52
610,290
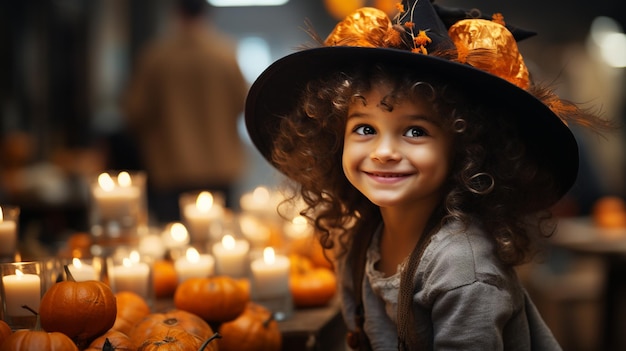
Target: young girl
429,161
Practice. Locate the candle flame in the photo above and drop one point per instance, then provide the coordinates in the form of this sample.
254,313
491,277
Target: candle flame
106,182
76,262
268,255
179,232
123,179
261,194
204,202
228,242
134,256
18,273
192,255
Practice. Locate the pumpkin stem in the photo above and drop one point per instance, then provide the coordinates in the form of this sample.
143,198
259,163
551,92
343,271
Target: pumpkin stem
38,324
70,277
107,345
269,319
206,343
26,307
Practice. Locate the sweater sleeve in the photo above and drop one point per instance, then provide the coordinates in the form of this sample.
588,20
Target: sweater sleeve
471,317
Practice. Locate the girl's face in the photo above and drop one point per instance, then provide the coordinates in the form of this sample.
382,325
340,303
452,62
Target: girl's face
399,157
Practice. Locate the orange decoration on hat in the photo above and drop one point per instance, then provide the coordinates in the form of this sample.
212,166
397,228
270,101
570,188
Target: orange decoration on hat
491,47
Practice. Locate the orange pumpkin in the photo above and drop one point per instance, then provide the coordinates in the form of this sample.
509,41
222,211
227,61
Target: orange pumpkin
171,339
80,310
157,322
112,340
310,286
165,278
5,330
609,212
29,340
253,330
131,309
215,299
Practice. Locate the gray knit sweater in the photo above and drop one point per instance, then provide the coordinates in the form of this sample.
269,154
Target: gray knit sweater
468,300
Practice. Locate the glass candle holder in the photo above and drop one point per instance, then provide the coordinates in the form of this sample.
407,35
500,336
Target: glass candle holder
201,211
21,290
270,283
9,226
127,270
118,209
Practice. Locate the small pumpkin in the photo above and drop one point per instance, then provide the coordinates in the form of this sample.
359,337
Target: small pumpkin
5,330
310,286
171,339
254,330
157,322
80,310
131,309
112,340
31,340
215,299
165,278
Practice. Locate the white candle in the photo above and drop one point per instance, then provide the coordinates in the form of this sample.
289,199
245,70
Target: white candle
19,290
116,200
132,275
194,265
298,228
81,271
199,215
231,256
8,236
261,202
175,236
270,275
151,245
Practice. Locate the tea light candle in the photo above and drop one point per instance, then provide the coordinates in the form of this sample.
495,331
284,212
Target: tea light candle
261,202
231,256
132,275
8,236
21,289
175,236
194,265
116,200
199,216
298,228
270,275
81,271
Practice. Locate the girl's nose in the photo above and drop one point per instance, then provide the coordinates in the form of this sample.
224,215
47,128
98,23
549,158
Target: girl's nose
385,150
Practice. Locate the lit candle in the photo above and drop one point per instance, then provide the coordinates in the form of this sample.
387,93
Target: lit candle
21,290
8,236
270,275
132,275
175,236
231,256
116,200
81,271
298,228
261,202
194,265
199,215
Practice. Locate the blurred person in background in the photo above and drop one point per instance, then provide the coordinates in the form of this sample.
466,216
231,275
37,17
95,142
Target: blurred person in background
182,105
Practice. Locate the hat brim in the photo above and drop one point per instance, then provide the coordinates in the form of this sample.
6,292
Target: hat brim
277,90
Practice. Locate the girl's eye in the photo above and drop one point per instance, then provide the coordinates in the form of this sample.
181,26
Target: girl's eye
364,130
415,132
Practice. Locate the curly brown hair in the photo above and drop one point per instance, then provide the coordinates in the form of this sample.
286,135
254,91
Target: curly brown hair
494,179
